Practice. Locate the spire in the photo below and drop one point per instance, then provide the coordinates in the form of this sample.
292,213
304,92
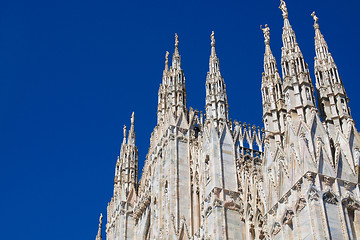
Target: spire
98,236
124,132
297,85
131,139
321,47
271,89
214,61
216,98
333,101
176,61
289,38
270,66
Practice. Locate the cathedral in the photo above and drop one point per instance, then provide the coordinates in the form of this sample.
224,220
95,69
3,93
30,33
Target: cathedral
206,177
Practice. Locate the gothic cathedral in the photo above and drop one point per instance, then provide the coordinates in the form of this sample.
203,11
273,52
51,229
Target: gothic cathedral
199,180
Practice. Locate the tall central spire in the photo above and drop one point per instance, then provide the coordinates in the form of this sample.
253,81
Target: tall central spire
298,88
172,92
216,98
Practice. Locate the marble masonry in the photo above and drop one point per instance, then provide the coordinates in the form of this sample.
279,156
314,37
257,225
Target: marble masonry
298,178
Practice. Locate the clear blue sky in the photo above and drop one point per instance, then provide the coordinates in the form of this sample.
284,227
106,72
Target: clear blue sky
71,73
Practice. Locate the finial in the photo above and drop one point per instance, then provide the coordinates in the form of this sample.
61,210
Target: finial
132,118
98,236
176,40
212,39
266,32
283,8
100,219
316,19
124,131
167,60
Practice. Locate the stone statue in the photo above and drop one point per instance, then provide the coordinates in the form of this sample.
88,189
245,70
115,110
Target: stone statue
124,131
100,220
167,57
283,8
266,32
212,39
176,40
315,17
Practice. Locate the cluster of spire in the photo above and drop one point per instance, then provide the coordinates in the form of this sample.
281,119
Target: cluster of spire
294,96
172,91
126,172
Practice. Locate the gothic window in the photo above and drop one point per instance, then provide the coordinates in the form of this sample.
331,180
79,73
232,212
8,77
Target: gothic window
332,215
266,94
352,217
332,75
287,98
352,221
343,106
166,186
266,124
336,76
321,82
308,97
207,173
302,64
286,68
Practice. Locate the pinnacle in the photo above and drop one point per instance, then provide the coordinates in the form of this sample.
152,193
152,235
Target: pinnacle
266,32
124,131
284,9
167,61
131,138
212,37
176,62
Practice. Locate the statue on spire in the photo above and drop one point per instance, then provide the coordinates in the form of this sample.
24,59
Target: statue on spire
124,131
212,39
167,60
315,17
132,118
283,9
266,32
176,62
176,40
98,236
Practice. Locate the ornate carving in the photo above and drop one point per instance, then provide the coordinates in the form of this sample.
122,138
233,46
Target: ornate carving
350,203
217,203
276,228
300,204
288,216
313,194
310,177
330,197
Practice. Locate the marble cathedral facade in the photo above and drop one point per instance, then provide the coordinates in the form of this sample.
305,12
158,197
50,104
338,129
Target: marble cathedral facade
296,179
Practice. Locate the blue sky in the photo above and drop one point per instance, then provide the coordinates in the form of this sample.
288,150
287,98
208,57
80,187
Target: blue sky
72,72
